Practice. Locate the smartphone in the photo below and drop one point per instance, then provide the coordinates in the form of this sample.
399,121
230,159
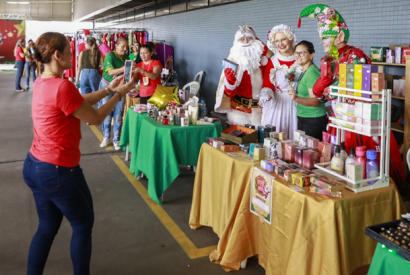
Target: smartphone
128,71
226,63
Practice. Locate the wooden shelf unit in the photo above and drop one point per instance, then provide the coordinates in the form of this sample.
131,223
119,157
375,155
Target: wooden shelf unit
406,132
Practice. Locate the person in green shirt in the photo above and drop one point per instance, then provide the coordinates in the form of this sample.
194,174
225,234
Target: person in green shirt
311,112
135,51
113,66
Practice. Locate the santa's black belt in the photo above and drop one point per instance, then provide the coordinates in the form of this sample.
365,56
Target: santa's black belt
250,102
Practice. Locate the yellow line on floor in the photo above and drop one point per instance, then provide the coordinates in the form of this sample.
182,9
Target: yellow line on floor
99,136
190,249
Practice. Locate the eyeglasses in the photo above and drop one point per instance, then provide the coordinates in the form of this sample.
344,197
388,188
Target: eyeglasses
301,53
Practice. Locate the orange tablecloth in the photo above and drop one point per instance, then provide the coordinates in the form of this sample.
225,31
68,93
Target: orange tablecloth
310,234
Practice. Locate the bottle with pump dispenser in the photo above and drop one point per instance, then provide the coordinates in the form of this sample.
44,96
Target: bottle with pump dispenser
337,163
343,153
372,166
351,158
361,158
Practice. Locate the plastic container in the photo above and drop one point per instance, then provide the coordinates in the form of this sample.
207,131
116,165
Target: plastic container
372,166
351,158
203,109
337,163
361,158
343,153
165,120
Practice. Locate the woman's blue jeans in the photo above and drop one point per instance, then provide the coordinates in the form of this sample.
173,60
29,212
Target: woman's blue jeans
59,192
20,67
117,114
30,69
90,80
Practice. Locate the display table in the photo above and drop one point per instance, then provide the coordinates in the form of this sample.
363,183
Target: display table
386,261
310,233
157,150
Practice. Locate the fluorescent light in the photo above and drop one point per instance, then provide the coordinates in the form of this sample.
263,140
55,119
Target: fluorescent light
18,3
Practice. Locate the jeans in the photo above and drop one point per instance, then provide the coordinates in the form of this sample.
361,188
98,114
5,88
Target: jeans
59,192
313,126
30,69
117,114
20,67
90,79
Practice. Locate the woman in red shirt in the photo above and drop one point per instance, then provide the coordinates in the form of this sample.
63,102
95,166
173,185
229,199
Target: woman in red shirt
51,168
20,61
148,71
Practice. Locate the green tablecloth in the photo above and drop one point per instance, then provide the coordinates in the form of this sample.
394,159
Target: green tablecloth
156,150
387,262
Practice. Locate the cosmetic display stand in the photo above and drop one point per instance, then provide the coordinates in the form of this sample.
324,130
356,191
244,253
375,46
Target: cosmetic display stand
383,178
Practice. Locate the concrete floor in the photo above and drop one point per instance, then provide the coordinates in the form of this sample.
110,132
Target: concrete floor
128,238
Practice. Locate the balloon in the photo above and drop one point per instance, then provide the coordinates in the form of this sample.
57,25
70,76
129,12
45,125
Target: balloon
163,96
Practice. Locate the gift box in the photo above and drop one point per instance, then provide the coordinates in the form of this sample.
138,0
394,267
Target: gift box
398,54
310,157
378,54
325,69
272,128
263,132
342,77
390,56
230,148
267,165
299,154
405,55
275,150
324,150
371,111
367,78
303,141
259,153
359,121
250,136
321,191
217,144
354,171
290,151
333,142
350,77
274,135
288,174
326,137
280,170
252,147
377,82
358,110
297,134
283,136
301,179
266,145
250,126
327,183
312,143
244,147
358,68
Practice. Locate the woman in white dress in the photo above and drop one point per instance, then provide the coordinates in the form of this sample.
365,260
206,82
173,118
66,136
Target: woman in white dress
280,72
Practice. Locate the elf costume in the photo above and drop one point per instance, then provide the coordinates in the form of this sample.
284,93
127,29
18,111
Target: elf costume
237,93
331,24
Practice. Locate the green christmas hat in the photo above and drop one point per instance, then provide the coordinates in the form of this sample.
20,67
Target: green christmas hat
330,22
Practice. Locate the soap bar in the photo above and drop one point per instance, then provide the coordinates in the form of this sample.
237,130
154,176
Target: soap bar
301,179
290,151
259,153
299,154
267,165
354,171
283,136
230,148
324,150
310,157
297,134
252,147
275,151
312,143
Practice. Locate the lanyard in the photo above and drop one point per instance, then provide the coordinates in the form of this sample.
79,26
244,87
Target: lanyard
50,73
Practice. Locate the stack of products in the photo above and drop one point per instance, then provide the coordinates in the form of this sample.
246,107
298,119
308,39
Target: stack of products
390,55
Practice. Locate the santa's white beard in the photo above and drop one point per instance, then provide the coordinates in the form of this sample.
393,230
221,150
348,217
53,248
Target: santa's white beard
248,57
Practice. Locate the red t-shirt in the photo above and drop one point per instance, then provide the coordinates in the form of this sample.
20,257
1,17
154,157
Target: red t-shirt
57,132
19,50
152,86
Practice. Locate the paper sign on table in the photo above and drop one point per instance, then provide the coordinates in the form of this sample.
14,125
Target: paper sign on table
261,194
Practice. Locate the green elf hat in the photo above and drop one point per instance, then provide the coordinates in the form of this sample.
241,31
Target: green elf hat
330,22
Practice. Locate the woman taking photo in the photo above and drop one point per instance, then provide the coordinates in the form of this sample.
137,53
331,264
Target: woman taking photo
20,60
311,113
90,62
148,72
113,66
51,168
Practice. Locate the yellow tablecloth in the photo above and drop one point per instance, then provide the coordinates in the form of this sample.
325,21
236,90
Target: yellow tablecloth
310,234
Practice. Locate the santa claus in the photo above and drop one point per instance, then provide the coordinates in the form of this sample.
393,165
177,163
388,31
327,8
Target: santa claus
238,92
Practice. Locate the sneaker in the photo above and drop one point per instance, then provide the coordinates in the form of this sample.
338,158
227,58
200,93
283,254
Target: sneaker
104,143
117,145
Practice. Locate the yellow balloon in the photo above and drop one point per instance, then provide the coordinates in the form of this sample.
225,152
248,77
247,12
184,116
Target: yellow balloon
163,96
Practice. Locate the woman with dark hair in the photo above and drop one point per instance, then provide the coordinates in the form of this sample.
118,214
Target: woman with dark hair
148,71
113,66
20,61
30,65
135,51
311,112
51,168
90,62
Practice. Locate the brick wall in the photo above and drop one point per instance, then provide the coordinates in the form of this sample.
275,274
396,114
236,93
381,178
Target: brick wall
202,38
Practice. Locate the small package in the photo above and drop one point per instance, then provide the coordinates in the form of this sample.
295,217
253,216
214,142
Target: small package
354,171
367,78
267,165
250,126
297,134
398,53
313,143
275,150
350,77
217,144
359,121
303,141
327,183
321,191
371,111
283,136
333,143
230,148
259,153
299,155
358,69
358,110
405,55
263,132
280,170
271,127
301,179
252,147
310,157
244,147
290,151
377,82
342,77
324,150
390,56
378,54
266,145
274,135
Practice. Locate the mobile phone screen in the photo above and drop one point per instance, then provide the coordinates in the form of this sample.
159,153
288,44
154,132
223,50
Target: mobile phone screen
127,70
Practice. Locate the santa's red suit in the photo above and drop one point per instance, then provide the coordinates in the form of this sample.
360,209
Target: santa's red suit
238,97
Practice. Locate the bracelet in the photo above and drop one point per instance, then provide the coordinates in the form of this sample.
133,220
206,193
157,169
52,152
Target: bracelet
115,92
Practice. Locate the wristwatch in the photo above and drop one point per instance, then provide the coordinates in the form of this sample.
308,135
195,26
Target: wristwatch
143,72
107,90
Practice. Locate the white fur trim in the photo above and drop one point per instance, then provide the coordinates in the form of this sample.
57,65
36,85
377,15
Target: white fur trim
240,118
264,60
264,97
229,86
257,82
284,58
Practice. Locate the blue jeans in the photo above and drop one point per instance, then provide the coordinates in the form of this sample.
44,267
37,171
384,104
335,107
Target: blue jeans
59,192
117,114
20,67
90,79
30,69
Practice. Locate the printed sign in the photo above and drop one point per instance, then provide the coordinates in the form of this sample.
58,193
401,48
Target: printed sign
10,32
261,194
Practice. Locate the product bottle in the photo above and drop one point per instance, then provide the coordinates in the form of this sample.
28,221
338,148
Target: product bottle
361,158
165,120
171,120
372,167
343,153
203,108
351,158
337,163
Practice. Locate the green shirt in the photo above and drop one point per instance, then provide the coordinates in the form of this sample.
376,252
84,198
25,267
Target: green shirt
112,61
308,80
133,56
